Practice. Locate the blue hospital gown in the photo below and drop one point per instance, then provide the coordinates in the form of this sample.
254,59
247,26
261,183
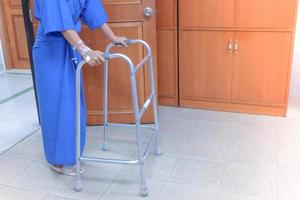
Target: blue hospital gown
55,73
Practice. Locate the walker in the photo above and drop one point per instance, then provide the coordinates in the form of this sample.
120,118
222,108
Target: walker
138,113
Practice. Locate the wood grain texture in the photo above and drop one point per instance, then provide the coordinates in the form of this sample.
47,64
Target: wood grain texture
16,34
205,64
203,13
167,36
265,13
126,18
261,67
4,38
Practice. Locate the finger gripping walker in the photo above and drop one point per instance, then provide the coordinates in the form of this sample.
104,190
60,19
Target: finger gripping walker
142,153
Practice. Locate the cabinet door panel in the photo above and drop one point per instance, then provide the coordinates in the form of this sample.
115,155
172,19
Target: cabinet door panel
205,65
265,13
203,13
261,67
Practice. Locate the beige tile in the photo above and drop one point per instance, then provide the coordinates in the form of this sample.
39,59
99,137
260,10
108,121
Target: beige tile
157,168
112,153
11,193
232,196
173,125
254,181
171,145
128,188
31,148
180,192
54,197
288,182
208,148
251,153
289,154
37,177
95,183
198,173
11,167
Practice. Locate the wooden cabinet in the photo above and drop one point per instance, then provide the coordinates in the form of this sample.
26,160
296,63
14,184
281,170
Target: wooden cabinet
167,52
198,13
261,68
265,13
205,65
236,55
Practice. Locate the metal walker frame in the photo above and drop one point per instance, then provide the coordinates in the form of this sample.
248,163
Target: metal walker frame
142,155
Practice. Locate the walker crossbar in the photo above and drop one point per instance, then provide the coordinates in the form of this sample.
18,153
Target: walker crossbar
152,99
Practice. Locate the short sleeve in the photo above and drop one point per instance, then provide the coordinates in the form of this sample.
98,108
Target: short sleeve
54,15
94,15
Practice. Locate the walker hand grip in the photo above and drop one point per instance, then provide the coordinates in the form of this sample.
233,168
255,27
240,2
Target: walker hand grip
129,41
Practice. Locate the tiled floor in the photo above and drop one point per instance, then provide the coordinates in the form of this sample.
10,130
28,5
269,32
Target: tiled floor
207,156
18,117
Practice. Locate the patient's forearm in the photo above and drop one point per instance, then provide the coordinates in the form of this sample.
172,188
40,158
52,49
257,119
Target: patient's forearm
108,32
72,37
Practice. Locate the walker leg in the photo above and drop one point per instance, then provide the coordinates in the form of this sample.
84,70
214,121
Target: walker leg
155,109
78,181
158,149
105,106
143,186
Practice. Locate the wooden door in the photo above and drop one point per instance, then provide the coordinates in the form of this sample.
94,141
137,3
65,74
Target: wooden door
265,13
261,68
205,66
167,52
127,19
16,34
206,13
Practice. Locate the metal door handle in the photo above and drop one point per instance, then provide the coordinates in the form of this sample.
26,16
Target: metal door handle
236,46
148,12
230,46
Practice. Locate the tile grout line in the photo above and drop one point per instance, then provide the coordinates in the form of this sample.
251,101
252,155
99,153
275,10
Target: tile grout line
15,73
30,134
15,95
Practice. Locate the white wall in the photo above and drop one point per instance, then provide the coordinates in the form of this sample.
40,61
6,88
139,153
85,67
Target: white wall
295,82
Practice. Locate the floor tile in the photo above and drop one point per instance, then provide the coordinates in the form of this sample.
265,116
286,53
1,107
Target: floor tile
30,148
288,182
250,153
54,197
232,196
171,145
11,167
254,181
208,148
180,192
157,168
37,177
11,193
128,188
109,154
95,183
198,173
11,84
16,120
175,125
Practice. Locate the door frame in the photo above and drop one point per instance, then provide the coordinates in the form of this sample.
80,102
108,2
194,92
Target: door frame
4,39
